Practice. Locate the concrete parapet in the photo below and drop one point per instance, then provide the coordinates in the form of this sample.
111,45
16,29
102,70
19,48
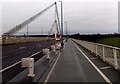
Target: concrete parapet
15,40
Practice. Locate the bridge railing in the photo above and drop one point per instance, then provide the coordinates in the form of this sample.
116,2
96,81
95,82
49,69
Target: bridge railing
14,40
107,53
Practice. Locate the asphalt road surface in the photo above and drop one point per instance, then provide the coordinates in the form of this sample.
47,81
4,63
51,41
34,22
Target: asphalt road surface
13,53
73,64
76,64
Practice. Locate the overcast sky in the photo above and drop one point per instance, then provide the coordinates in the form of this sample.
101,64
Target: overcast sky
82,16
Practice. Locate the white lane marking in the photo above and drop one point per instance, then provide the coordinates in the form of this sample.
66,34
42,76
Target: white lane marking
107,67
93,58
19,62
35,54
39,46
10,66
100,72
22,47
47,78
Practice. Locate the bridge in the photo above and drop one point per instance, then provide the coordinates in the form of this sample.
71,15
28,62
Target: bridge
35,59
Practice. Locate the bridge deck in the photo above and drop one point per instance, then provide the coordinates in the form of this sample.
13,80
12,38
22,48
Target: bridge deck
72,66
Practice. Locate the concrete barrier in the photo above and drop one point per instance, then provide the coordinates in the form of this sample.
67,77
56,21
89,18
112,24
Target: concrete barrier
15,40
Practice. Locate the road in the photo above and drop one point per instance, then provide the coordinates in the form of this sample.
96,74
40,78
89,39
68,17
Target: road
13,53
73,64
78,65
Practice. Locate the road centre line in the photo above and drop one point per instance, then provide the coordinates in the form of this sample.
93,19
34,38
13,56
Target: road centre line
22,47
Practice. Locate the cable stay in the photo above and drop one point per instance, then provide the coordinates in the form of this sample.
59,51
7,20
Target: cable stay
55,25
26,22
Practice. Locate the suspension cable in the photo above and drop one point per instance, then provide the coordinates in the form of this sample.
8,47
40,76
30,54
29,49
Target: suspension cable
26,22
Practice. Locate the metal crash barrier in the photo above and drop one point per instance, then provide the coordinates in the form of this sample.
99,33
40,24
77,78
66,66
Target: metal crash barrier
109,54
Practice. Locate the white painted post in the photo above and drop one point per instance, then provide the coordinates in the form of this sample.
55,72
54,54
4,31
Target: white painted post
103,53
53,48
58,46
29,62
115,58
47,52
48,56
31,68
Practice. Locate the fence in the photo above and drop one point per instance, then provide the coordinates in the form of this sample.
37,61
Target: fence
14,40
109,54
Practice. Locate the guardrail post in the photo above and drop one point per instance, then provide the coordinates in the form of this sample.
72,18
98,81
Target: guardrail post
29,62
31,68
58,47
53,48
47,52
115,58
103,53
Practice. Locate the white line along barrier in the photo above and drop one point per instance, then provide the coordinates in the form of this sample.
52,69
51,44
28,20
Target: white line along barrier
29,62
107,53
47,52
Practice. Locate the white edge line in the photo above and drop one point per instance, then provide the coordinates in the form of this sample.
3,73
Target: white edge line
100,72
47,78
9,66
34,54
19,62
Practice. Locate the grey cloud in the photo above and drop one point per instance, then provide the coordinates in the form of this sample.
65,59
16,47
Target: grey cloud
83,17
